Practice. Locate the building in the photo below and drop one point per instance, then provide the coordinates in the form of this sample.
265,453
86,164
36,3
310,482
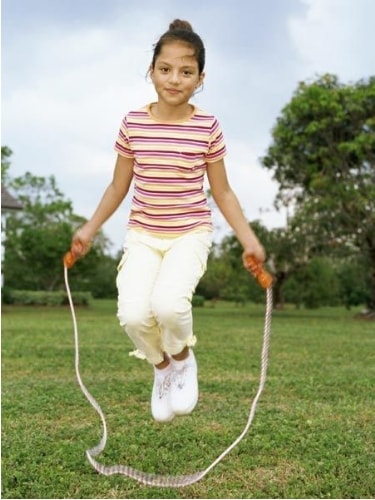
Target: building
8,202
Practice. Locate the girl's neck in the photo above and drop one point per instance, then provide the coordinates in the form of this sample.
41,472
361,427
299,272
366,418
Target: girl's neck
162,112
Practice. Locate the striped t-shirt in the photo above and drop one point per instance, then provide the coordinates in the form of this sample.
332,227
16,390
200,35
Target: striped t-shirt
170,160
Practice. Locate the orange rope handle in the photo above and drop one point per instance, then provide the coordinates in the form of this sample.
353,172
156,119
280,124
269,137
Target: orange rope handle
263,277
69,259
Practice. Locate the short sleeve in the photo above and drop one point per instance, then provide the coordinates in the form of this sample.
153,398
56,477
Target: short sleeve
217,149
122,144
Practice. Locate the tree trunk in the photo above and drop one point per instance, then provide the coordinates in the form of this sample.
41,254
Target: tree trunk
278,298
370,313
371,304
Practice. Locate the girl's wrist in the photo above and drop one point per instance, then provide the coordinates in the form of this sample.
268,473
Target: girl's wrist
250,243
256,249
90,230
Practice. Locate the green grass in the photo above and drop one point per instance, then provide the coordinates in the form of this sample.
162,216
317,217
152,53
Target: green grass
312,436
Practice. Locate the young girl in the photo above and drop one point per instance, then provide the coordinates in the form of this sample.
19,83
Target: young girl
166,148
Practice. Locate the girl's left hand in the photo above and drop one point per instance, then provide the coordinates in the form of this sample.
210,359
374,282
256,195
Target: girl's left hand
257,251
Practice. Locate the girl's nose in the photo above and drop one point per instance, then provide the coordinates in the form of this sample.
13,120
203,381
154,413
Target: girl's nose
175,77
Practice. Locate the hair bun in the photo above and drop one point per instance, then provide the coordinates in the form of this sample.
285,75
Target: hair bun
178,24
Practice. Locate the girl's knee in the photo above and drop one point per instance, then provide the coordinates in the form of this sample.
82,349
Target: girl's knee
133,318
170,310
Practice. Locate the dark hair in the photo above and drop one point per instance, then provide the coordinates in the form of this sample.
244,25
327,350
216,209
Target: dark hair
181,31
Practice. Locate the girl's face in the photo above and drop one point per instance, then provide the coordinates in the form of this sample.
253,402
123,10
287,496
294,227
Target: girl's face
175,74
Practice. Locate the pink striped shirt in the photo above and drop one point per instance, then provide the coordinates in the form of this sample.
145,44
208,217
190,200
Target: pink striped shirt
170,160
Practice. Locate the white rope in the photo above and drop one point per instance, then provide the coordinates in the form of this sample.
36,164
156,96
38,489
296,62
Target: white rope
157,479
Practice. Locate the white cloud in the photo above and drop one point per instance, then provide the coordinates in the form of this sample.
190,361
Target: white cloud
336,36
252,183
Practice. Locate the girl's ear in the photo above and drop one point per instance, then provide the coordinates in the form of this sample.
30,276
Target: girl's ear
201,80
151,72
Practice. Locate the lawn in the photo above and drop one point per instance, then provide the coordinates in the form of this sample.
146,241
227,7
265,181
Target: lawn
312,436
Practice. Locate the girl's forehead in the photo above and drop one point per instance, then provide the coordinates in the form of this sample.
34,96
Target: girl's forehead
177,51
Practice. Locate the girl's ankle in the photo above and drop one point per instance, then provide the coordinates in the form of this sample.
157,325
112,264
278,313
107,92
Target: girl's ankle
164,363
181,356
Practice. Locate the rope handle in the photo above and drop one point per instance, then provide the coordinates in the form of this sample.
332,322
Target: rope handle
263,277
69,259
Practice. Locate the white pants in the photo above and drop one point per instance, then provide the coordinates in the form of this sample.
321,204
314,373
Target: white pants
156,281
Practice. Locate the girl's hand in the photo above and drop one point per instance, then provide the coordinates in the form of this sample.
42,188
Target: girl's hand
81,242
255,250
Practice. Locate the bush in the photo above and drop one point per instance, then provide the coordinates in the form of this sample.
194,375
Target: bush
6,295
198,301
43,298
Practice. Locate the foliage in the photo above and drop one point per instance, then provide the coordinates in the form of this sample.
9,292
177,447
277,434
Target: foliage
354,282
197,301
6,153
216,276
303,273
288,249
323,157
42,298
226,278
96,272
38,236
314,285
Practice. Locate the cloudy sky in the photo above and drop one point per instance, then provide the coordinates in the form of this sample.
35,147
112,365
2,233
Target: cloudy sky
71,69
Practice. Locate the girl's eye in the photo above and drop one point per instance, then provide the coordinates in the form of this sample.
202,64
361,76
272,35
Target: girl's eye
188,73
164,70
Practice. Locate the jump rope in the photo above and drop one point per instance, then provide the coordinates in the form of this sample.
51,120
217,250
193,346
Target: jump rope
265,281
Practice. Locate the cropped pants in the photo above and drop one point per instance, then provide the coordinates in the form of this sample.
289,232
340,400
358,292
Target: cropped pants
156,280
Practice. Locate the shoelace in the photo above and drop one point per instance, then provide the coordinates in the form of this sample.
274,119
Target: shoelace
179,377
164,384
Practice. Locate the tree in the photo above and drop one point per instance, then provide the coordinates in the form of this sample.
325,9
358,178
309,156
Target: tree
217,275
314,285
240,287
323,157
352,276
37,239
6,153
287,252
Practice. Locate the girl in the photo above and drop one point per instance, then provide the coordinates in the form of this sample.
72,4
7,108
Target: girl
166,148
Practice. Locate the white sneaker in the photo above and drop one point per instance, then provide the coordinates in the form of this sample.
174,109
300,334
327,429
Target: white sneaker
184,390
160,400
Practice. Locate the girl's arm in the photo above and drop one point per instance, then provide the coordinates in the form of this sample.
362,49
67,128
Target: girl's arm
111,200
229,206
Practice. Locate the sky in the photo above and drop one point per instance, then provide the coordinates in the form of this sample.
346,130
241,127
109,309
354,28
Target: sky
71,70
